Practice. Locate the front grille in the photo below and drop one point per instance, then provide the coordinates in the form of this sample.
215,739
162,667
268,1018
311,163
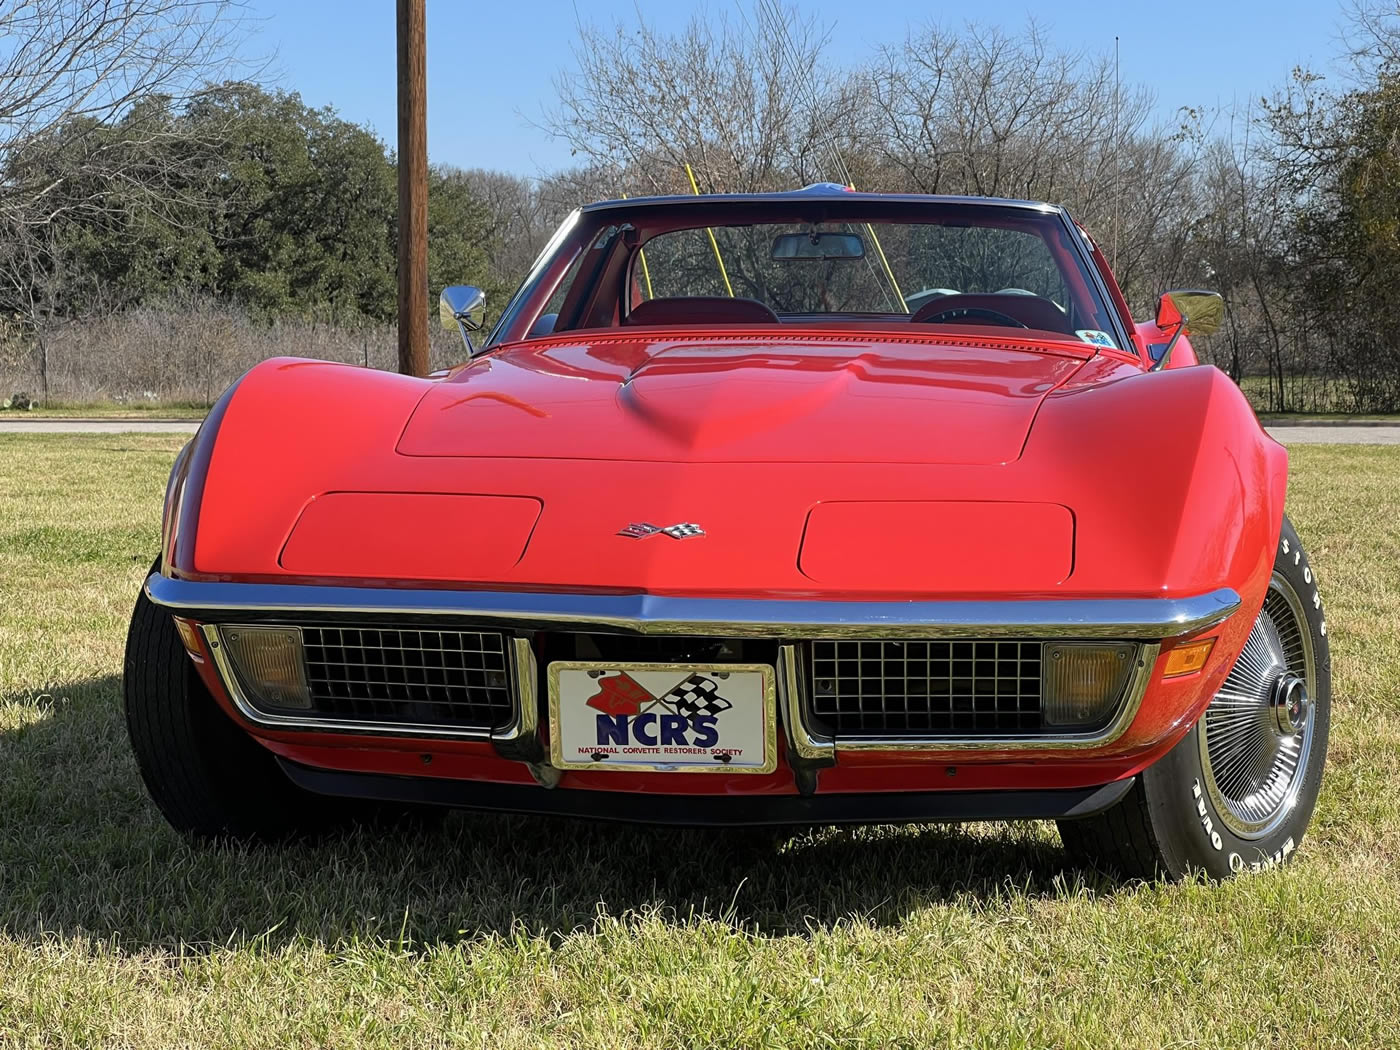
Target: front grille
417,677
878,688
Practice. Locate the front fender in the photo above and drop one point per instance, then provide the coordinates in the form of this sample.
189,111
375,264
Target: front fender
1184,487
1188,492
184,492
1183,354
285,411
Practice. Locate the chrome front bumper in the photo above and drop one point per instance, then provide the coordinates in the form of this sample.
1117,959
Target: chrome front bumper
1146,620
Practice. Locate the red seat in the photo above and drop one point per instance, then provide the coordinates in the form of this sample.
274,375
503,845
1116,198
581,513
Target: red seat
701,309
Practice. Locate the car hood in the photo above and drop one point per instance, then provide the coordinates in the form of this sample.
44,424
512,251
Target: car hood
743,399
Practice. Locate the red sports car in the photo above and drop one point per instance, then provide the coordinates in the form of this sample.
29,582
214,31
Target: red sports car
808,507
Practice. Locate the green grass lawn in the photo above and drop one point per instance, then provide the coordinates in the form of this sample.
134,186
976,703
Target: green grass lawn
112,410
1299,419
514,932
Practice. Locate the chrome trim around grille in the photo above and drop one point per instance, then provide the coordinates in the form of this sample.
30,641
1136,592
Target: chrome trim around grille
1137,619
524,671
324,723
806,743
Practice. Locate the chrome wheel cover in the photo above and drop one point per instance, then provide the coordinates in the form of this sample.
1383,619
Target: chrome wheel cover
1256,734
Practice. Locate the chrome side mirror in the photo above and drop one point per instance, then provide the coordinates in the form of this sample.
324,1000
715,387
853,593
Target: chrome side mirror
1193,312
462,306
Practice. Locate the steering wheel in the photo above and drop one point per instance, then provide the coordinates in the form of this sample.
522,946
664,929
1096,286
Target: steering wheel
958,313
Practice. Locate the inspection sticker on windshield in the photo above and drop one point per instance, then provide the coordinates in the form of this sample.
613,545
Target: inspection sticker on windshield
1094,337
690,718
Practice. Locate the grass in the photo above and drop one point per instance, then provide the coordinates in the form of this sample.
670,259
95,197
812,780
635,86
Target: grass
105,409
1295,419
515,932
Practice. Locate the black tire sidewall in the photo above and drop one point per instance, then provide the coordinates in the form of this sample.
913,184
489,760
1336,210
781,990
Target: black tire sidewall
209,778
1185,821
204,773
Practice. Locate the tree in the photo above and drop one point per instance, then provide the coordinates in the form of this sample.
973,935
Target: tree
971,111
305,207
307,218
285,209
461,240
519,216
718,96
986,112
75,77
1336,157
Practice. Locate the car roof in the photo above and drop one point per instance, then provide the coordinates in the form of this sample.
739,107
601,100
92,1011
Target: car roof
822,191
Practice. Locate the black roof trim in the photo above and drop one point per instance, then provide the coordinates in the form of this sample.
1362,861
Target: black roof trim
798,197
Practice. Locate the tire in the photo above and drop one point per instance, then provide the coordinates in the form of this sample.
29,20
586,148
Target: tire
1237,792
207,776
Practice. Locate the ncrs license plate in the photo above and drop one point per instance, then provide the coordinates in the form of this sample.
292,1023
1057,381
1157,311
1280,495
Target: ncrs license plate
684,718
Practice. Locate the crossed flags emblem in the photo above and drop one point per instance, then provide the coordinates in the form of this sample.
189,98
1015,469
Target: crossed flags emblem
620,694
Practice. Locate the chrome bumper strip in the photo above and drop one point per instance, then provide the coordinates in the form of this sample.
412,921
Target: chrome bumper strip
1146,619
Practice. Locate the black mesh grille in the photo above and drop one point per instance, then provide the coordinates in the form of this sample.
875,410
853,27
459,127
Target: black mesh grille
425,677
953,687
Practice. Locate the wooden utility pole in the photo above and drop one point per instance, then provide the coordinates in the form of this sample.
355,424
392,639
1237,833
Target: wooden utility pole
413,188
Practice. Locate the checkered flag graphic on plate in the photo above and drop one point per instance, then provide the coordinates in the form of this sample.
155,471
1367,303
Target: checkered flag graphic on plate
697,695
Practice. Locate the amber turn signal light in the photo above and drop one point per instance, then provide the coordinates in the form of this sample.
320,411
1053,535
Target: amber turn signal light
189,638
1187,659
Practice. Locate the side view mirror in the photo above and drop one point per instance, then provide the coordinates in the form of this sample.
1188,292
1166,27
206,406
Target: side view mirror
1193,312
462,306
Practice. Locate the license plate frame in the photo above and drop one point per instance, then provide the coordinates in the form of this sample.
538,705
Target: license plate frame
572,676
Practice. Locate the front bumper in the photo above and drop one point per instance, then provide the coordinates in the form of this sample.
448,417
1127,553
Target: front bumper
1150,622
1152,619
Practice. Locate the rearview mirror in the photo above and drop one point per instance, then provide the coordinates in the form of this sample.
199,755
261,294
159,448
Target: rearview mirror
810,247
462,306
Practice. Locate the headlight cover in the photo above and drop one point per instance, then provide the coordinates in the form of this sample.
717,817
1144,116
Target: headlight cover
269,664
1082,683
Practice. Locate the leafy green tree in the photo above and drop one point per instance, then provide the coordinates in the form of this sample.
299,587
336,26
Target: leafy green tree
284,208
304,206
460,239
1338,154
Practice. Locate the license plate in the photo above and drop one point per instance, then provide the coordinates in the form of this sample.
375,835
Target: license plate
691,718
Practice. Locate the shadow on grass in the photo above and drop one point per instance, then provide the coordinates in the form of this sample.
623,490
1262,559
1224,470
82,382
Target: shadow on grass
82,850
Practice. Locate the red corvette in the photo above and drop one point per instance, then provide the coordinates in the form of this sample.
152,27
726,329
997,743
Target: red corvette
808,507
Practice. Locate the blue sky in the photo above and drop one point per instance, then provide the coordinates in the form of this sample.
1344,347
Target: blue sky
491,66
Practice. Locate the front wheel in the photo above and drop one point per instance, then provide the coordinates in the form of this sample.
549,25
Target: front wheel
1237,792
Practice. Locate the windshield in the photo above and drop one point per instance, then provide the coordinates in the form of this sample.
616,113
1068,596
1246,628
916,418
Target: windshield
983,266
